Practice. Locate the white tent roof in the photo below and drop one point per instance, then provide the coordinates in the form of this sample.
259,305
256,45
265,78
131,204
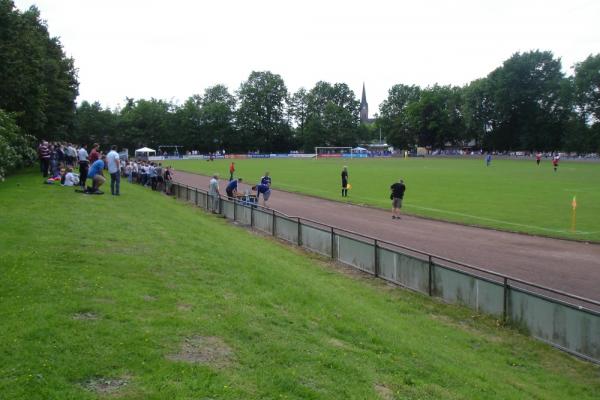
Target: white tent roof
359,149
145,150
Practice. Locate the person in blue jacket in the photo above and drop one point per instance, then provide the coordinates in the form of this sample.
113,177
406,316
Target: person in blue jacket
232,188
265,190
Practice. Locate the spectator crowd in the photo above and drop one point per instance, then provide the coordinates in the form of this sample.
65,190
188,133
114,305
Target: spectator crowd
58,162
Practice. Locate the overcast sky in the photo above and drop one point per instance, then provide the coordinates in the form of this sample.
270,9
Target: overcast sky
173,49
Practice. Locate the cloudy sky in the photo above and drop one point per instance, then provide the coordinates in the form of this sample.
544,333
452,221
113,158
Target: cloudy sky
174,49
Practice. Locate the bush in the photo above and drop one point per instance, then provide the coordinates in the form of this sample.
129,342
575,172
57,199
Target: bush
16,149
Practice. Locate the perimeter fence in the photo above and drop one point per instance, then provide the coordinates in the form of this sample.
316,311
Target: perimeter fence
568,322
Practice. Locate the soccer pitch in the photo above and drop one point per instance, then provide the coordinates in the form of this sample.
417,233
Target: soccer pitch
513,195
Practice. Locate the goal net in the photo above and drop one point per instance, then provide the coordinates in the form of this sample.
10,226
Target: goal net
333,152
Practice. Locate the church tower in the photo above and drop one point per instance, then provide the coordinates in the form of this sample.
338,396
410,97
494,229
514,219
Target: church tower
364,107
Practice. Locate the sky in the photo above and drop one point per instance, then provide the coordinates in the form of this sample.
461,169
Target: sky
174,49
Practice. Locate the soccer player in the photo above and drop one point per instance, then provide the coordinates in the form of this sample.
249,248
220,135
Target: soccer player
555,161
538,158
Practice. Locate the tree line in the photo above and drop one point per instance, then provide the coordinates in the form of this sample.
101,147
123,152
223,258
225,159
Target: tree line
527,103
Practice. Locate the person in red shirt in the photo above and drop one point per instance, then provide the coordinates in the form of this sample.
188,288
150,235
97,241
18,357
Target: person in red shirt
94,155
555,161
231,170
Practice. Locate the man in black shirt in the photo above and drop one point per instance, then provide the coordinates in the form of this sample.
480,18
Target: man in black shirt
397,195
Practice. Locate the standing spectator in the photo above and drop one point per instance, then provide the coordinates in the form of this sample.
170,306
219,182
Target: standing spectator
266,180
44,156
345,182
129,171
114,169
231,171
71,155
214,193
232,188
168,180
94,154
96,175
84,166
397,195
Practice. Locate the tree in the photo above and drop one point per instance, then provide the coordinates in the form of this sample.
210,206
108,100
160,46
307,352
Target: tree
217,118
332,116
148,123
261,115
436,118
37,81
15,146
528,109
394,119
587,88
93,124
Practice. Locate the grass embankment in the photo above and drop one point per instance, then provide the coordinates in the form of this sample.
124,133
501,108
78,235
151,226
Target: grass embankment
510,195
114,296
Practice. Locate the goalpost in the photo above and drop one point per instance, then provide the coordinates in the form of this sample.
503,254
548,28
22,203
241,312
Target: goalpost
333,152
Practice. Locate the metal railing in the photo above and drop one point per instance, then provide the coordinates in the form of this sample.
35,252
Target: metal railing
568,322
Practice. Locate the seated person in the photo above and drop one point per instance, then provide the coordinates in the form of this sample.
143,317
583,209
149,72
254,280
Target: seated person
232,188
265,190
97,176
71,179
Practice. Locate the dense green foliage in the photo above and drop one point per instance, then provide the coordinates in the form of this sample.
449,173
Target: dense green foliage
37,81
109,304
510,195
526,104
15,147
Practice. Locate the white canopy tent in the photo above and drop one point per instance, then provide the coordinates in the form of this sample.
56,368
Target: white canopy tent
359,150
144,152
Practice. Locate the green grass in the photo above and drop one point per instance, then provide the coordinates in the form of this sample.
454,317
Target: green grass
509,195
153,272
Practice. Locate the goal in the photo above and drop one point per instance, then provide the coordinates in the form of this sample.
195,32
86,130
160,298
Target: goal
333,152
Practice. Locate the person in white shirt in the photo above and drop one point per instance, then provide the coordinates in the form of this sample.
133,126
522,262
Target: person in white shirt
71,179
114,169
84,165
214,193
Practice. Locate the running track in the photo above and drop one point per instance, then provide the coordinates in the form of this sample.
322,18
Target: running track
572,267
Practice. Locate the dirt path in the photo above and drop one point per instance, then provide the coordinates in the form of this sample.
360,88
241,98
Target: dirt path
572,267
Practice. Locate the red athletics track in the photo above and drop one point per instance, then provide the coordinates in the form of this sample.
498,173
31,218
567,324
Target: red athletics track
572,267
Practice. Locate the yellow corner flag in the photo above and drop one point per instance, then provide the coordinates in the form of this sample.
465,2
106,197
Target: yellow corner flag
574,214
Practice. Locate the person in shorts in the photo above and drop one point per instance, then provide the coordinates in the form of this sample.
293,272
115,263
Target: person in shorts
396,196
265,190
96,175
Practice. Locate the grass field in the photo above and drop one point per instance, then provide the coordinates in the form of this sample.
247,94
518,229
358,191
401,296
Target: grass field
509,195
142,297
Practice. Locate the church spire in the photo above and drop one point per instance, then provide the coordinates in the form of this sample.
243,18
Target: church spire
364,107
363,101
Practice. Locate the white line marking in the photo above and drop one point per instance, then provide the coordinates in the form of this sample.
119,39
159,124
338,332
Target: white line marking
566,231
